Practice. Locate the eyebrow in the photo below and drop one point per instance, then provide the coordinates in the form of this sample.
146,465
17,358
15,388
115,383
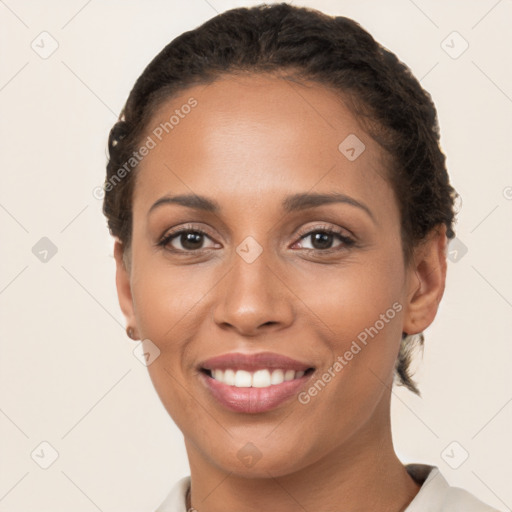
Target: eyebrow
295,202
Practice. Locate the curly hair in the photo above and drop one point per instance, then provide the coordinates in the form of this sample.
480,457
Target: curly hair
333,51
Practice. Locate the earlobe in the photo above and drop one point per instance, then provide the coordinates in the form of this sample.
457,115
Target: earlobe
123,284
427,277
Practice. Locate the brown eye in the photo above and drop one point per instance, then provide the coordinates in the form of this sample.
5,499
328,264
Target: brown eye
191,240
322,240
185,240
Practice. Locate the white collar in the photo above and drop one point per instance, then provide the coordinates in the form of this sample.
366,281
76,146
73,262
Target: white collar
435,494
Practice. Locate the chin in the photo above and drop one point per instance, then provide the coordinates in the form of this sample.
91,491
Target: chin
246,460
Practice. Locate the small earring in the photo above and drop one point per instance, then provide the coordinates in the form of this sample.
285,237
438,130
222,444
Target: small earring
129,332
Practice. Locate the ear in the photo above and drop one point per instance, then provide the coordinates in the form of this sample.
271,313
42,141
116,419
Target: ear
426,281
123,285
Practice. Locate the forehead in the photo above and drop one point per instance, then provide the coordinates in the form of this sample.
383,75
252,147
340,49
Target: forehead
241,137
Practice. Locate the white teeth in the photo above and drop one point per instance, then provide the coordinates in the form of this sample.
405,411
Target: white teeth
289,375
258,379
261,379
229,377
243,379
277,377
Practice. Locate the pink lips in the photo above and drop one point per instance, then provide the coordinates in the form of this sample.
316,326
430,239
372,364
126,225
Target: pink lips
253,362
253,400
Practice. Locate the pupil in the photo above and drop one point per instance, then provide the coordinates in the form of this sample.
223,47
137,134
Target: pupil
191,240
323,238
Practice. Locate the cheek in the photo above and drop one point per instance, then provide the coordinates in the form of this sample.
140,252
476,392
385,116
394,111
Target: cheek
167,299
167,303
362,306
356,296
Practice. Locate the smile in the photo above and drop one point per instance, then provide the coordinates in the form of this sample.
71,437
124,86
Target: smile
258,379
253,383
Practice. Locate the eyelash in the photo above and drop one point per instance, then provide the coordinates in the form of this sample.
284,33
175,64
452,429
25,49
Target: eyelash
347,241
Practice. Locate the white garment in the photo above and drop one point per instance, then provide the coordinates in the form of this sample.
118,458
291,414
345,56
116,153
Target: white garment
435,495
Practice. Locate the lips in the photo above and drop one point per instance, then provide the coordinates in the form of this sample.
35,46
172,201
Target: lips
253,362
254,383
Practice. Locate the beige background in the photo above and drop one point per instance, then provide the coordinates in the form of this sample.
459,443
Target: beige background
68,375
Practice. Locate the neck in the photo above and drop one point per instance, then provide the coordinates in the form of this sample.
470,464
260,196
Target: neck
361,474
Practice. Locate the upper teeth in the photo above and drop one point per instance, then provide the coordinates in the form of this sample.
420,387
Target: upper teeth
257,379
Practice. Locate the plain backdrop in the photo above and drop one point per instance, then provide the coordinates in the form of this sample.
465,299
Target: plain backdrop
68,375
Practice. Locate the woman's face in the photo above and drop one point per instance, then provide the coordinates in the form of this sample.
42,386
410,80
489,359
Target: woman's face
265,276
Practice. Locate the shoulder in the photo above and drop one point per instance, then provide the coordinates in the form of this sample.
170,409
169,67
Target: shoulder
175,500
461,500
437,495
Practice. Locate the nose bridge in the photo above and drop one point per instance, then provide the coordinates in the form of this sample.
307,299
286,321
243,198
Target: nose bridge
252,294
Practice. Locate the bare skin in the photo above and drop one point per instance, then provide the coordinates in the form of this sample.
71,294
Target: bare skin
249,143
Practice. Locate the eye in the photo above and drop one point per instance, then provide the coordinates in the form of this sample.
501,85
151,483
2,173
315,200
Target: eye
189,239
185,240
323,237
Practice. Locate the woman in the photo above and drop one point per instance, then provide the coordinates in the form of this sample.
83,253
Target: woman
281,209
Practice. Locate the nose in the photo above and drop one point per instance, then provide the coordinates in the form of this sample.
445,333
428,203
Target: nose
254,297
